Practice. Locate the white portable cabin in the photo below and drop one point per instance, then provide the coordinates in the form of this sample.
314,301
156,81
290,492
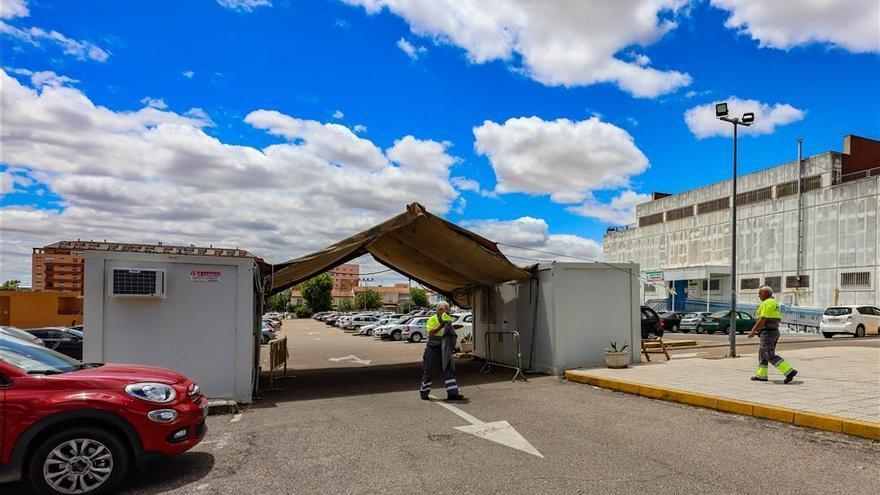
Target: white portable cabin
197,314
566,316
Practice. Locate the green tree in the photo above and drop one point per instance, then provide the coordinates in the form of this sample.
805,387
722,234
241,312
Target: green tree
10,285
406,306
346,304
318,293
368,299
278,302
419,297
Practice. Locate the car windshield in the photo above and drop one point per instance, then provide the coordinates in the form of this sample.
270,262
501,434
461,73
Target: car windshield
35,359
16,332
838,311
720,314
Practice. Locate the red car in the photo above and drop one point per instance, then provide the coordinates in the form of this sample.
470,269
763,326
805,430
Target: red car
77,428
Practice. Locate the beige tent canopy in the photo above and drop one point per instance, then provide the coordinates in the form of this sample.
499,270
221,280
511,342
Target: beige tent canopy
422,246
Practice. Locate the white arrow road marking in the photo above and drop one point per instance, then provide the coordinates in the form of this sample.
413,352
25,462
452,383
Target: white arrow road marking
497,431
352,358
318,339
312,333
235,418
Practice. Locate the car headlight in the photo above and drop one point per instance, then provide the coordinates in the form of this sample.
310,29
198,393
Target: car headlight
151,392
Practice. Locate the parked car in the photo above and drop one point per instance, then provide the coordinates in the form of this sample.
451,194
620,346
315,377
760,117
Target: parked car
393,330
360,320
368,329
64,340
74,427
267,333
857,321
720,322
20,334
464,327
650,323
671,320
276,324
692,322
415,330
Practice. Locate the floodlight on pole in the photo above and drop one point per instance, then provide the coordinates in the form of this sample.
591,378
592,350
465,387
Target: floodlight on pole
748,118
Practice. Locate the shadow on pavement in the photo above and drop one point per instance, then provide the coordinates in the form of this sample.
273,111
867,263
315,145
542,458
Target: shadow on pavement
159,477
343,382
175,472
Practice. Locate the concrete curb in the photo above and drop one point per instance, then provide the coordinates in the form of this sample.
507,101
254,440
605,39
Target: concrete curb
672,344
817,421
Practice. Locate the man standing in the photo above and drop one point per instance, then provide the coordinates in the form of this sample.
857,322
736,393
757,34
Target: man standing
438,351
767,327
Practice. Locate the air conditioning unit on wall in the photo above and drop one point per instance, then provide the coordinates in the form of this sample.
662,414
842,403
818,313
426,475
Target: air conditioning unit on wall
146,283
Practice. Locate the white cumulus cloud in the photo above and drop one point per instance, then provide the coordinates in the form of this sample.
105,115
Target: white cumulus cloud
702,122
563,158
79,49
151,174
13,8
853,25
557,43
620,211
409,49
338,114
244,5
528,240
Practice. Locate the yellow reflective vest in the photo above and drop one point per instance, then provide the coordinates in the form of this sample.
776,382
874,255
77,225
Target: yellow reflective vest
434,322
769,308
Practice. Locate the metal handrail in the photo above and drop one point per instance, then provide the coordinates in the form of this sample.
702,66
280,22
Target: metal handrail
515,360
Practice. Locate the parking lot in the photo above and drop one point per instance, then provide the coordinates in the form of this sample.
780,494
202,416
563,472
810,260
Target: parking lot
348,427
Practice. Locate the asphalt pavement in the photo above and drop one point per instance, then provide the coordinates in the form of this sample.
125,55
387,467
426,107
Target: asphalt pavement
358,429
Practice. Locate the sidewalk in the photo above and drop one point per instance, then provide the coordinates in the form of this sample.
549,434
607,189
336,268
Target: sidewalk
835,386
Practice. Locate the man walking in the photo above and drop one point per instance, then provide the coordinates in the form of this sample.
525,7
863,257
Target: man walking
767,327
439,351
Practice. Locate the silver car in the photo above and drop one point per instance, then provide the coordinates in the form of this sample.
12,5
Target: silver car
21,334
691,321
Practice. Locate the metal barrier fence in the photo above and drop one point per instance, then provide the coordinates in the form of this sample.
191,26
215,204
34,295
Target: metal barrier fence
503,349
278,355
798,319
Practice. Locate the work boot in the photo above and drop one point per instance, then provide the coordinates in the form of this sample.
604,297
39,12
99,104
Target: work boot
758,379
455,397
425,397
790,376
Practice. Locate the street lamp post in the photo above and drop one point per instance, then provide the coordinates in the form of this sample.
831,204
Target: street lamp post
748,118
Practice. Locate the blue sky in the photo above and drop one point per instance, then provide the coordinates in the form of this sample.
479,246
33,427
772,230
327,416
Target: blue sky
201,68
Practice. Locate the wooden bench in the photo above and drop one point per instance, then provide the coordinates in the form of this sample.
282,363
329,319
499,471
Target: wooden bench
651,346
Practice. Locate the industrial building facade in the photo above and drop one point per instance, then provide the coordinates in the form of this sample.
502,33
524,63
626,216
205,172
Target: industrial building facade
808,229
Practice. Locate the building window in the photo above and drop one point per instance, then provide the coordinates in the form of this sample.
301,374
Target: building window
755,196
749,283
775,283
790,188
786,189
811,183
714,285
679,213
714,205
797,282
651,220
487,315
855,279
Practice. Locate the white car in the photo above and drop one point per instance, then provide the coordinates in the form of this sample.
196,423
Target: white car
855,320
464,326
393,330
691,321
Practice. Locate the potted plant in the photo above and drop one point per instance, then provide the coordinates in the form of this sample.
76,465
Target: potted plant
617,357
467,344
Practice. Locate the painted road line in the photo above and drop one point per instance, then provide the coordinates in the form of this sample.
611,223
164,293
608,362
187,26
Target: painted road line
497,431
352,358
235,418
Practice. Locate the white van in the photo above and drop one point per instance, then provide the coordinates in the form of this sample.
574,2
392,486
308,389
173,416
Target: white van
855,320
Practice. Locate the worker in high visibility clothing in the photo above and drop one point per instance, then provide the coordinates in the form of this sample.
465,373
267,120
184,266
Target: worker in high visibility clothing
769,315
439,350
